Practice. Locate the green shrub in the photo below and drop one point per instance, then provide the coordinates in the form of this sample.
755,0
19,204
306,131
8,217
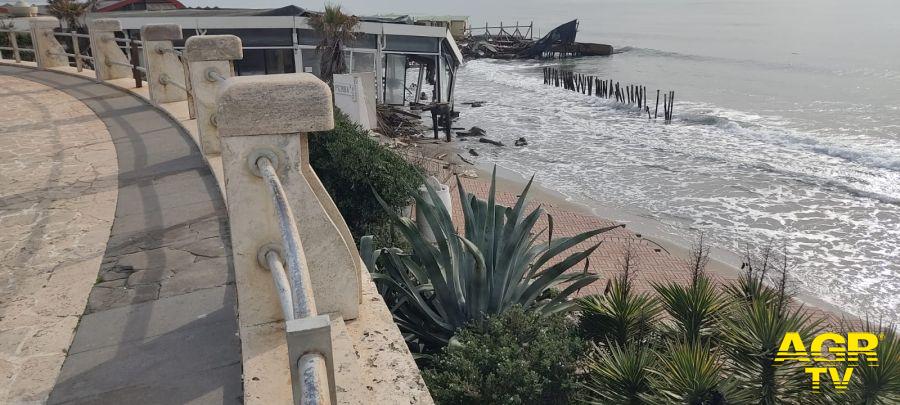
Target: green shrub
497,263
350,165
517,357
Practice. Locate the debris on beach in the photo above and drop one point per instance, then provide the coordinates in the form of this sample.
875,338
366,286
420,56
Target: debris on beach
473,152
396,122
490,141
464,159
474,103
521,142
471,174
474,131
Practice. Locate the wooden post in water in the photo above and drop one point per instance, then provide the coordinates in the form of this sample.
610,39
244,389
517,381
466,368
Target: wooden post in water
656,110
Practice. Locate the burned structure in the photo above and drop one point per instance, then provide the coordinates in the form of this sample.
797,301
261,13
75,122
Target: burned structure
509,42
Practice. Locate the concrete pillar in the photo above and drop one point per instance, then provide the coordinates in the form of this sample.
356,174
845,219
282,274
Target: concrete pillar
209,59
165,73
48,52
106,51
272,114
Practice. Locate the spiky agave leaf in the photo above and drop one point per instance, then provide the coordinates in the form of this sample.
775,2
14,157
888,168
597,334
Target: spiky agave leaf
692,373
751,336
619,316
498,262
617,374
694,309
879,385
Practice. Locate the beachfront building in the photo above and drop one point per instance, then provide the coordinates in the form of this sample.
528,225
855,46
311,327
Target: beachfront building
281,41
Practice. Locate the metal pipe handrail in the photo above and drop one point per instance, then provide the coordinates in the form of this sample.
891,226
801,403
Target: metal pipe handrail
301,286
164,79
311,367
112,62
213,75
282,284
170,50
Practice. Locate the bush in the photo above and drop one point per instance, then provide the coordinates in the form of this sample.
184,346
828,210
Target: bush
517,357
350,165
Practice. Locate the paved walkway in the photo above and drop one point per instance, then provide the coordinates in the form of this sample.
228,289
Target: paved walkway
57,202
160,324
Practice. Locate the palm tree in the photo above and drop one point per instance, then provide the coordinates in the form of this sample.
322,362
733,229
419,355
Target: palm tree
70,11
336,29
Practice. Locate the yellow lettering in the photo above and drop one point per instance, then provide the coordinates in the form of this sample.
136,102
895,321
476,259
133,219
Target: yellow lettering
792,348
854,348
840,383
818,344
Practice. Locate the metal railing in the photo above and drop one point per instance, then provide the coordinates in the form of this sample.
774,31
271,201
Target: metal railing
12,35
284,259
293,285
75,47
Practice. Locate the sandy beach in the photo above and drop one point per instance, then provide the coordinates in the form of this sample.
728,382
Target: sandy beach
723,265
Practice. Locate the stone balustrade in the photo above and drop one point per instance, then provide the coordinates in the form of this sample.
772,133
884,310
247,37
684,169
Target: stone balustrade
209,60
247,127
110,62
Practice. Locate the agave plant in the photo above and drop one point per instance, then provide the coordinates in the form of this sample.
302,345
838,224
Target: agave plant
499,262
876,385
751,338
694,310
617,375
619,316
693,373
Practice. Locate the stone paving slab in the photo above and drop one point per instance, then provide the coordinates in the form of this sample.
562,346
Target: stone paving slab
57,201
160,325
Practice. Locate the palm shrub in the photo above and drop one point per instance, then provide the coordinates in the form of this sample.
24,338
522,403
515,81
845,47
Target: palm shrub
517,357
877,385
693,373
752,332
619,316
498,262
694,310
336,29
617,374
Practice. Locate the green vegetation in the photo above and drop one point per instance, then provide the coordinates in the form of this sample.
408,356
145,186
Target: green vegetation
518,357
436,289
487,311
351,165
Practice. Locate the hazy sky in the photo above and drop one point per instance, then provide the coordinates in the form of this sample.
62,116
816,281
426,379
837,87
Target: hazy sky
479,10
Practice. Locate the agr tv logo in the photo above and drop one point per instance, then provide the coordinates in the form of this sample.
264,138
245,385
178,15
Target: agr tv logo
830,349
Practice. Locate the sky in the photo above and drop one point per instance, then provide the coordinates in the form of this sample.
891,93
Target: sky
479,10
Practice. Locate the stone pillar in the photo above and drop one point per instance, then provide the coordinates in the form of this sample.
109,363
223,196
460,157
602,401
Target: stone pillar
209,59
164,69
106,51
272,114
48,52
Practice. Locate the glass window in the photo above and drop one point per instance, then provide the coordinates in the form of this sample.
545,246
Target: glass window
395,79
254,36
363,62
254,63
265,61
409,43
310,61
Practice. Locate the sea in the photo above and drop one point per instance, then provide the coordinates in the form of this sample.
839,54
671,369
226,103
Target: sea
786,130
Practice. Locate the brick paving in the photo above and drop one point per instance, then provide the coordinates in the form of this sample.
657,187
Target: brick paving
650,263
